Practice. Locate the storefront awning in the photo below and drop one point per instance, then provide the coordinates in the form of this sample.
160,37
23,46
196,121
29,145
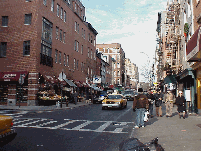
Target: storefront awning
12,76
71,84
193,49
170,79
185,73
79,84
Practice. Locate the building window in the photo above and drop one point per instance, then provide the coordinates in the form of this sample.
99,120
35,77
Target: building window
64,59
81,32
94,42
91,55
77,48
75,26
75,42
56,56
74,63
52,5
64,37
77,64
59,57
88,52
3,48
84,36
81,66
67,60
5,21
58,10
75,7
88,70
26,48
81,49
46,50
28,19
61,13
64,16
44,2
89,37
78,28
47,30
57,30
61,34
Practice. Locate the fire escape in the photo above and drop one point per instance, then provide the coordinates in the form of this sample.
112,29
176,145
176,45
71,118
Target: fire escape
173,39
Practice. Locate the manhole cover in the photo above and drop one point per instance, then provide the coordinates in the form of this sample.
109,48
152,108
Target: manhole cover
199,125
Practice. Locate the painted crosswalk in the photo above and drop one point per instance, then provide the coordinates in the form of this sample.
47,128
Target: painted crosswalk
13,113
74,125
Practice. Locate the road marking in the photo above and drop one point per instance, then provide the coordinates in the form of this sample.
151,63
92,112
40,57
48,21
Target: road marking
64,124
32,122
40,125
22,121
102,127
118,130
82,125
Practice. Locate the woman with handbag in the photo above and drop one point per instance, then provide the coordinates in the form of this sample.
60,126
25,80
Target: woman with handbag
181,104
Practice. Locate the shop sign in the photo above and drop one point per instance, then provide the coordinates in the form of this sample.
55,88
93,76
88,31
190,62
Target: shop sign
9,75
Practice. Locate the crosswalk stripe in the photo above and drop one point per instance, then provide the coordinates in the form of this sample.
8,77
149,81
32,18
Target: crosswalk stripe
118,130
62,125
22,121
82,125
102,127
32,122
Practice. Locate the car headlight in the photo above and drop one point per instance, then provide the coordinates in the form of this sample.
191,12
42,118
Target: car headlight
103,102
118,102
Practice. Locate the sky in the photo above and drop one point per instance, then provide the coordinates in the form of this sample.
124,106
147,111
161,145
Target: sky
132,23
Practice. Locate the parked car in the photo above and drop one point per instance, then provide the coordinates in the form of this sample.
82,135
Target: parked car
7,132
114,101
129,95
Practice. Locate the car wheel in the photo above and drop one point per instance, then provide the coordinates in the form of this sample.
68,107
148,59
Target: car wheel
126,105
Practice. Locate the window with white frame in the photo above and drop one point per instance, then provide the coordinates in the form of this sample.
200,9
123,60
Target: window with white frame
61,13
78,28
88,52
74,63
64,16
88,70
57,32
81,49
52,5
81,32
75,26
84,36
58,10
67,60
75,44
64,33
91,55
60,57
94,42
56,56
64,59
61,33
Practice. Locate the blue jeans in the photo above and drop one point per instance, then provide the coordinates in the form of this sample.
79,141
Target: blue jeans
139,120
150,109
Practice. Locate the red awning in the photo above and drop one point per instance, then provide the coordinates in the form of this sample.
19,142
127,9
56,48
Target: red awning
193,49
12,76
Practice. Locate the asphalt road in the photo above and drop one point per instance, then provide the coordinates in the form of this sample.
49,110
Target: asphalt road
86,128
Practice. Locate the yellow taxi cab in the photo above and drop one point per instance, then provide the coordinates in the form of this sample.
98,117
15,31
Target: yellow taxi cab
7,132
114,101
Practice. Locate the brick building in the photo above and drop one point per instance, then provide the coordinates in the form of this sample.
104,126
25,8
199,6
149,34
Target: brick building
116,52
44,39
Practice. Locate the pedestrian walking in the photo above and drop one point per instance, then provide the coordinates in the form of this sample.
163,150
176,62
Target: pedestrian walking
158,103
151,99
140,104
181,104
169,103
75,95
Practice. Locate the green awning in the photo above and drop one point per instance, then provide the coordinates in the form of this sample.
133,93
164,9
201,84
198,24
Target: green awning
170,79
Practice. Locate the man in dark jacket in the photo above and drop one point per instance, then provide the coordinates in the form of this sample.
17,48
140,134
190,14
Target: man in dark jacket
181,104
140,104
158,103
151,99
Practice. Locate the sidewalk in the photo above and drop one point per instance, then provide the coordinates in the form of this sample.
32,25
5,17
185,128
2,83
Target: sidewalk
43,108
174,134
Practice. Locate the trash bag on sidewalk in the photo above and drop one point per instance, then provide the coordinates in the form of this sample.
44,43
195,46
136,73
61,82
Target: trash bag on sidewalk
133,144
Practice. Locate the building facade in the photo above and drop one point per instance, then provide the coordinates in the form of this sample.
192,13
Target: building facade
44,39
116,52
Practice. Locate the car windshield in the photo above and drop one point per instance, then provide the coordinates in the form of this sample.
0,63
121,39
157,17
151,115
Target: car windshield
128,92
114,97
103,93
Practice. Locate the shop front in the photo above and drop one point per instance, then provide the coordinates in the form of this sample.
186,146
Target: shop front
13,88
193,52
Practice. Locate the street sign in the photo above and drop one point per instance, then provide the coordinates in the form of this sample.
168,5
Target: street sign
97,79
